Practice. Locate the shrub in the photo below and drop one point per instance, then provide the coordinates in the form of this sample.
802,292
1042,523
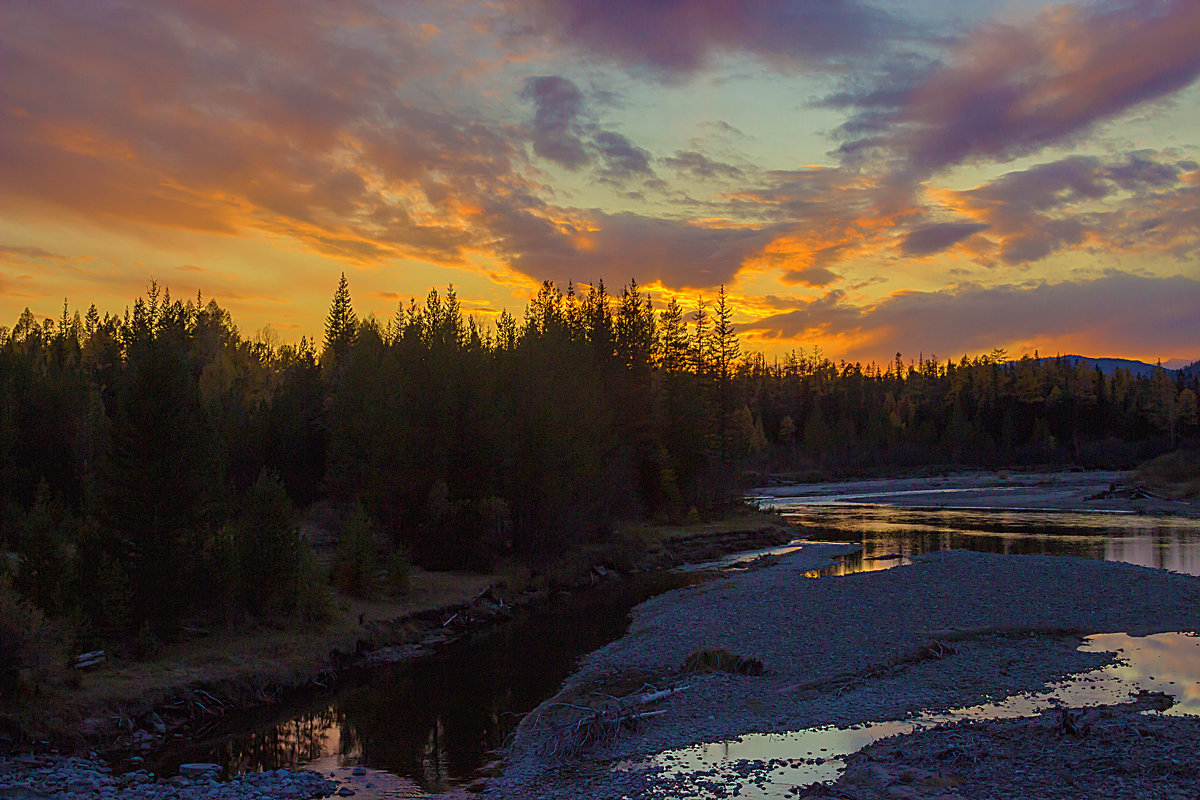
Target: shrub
30,647
43,552
462,534
314,601
355,567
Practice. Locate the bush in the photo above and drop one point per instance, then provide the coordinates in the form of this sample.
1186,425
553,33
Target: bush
43,552
314,601
355,567
30,647
466,534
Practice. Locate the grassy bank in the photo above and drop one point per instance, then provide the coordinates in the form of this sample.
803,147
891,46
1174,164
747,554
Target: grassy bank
208,673
1175,475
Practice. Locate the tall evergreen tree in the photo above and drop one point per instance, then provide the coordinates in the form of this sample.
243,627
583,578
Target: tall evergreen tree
341,324
673,337
723,345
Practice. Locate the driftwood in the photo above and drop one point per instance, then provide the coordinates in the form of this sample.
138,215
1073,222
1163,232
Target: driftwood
600,724
86,660
1126,491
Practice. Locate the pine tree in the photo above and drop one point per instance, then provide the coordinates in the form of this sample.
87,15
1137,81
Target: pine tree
636,330
341,324
673,338
700,348
723,342
268,547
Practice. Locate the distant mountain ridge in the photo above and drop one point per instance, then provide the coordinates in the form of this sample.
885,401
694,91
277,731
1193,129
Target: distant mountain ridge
1140,368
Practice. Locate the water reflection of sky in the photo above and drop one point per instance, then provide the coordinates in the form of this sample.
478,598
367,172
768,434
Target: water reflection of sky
431,725
436,723
1164,662
890,536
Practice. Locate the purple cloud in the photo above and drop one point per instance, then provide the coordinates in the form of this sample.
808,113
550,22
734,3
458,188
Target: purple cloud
26,252
1010,90
675,38
622,158
557,106
1030,214
929,239
813,277
700,166
1115,313
617,247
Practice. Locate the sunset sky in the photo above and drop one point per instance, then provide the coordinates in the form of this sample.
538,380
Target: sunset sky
865,176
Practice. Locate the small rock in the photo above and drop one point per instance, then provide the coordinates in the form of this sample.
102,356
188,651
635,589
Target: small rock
199,770
345,791
359,770
156,723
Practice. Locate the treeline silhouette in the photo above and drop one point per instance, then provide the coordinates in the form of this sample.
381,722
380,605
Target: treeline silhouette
151,464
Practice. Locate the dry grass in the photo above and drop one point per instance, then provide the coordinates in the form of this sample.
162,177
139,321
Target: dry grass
1176,475
243,664
240,664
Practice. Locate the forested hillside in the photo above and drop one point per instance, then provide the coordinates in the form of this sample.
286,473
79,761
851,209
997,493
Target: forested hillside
151,464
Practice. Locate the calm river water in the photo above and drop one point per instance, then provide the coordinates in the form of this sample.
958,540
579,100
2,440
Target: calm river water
432,726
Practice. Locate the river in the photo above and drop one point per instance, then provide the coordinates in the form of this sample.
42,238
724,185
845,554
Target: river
435,725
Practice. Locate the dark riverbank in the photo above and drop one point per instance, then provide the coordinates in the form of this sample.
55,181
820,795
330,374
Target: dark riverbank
129,709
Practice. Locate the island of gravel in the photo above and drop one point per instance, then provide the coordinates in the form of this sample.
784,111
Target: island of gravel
954,629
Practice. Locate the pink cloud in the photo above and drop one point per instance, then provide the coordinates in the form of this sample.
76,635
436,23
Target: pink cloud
674,39
1114,314
1009,90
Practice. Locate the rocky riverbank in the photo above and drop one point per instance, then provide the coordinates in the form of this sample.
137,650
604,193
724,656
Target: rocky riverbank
58,777
954,630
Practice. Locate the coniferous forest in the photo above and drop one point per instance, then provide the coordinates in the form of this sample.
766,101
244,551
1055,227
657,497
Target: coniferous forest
152,464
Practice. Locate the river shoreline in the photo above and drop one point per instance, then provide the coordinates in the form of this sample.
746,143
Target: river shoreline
1066,491
128,727
952,630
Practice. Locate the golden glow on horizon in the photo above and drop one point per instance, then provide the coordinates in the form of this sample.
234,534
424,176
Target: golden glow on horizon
255,156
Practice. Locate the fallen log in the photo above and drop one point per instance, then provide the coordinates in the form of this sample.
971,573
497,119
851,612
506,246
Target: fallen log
87,660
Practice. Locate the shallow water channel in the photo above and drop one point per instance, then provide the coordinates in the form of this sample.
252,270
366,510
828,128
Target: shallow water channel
433,725
775,765
892,536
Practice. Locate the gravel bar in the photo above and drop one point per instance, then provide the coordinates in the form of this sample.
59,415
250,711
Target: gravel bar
843,651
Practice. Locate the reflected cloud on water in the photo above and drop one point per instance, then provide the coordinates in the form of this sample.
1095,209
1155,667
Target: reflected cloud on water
773,765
